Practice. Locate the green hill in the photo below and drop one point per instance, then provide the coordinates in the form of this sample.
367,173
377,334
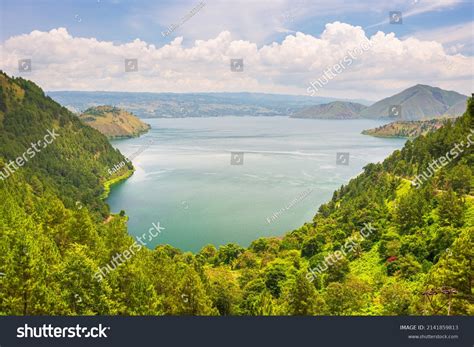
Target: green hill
409,129
114,122
56,257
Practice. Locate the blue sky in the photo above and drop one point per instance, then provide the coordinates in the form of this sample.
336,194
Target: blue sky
123,21
261,23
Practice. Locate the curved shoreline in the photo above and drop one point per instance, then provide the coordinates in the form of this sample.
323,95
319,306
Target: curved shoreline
109,183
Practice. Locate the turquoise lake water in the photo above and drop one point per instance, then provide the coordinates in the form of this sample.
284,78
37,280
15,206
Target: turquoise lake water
184,179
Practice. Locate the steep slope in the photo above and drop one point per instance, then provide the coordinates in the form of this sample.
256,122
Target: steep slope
417,103
457,109
409,129
332,110
74,164
114,122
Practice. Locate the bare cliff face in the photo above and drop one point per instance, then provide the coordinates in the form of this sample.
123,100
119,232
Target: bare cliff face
114,122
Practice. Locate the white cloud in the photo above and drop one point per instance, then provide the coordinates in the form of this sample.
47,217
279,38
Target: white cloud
455,38
63,62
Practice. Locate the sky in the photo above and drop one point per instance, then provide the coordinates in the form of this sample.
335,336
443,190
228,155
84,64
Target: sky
187,46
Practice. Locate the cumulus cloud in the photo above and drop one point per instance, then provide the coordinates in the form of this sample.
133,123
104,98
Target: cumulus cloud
63,62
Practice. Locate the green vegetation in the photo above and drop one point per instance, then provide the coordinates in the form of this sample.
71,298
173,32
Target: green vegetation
408,129
101,111
51,249
115,180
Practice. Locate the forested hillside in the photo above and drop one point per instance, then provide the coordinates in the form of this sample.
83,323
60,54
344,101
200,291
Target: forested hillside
416,261
408,129
74,165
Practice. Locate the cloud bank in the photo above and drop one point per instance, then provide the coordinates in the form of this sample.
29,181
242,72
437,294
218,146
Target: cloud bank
63,62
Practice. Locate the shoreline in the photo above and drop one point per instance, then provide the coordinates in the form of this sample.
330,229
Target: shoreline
109,183
389,136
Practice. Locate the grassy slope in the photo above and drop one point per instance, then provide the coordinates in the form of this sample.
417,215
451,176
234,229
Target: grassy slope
114,122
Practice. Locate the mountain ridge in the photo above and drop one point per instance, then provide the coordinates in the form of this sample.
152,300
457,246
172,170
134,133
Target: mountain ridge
176,105
416,102
332,110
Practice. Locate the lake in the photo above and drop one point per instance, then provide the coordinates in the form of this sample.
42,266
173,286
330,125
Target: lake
184,179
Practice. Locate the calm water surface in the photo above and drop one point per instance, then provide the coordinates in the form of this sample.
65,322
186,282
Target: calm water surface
184,179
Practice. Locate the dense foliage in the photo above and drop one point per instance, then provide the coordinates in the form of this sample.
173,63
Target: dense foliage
74,166
50,248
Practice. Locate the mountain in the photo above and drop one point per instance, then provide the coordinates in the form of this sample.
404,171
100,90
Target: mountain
417,103
332,110
399,230
457,109
114,122
151,105
75,164
409,129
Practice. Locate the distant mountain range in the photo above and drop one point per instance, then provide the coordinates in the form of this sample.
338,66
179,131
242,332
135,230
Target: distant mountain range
333,110
415,103
114,122
171,105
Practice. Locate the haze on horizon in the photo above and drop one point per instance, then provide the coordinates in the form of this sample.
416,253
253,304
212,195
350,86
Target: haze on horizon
284,46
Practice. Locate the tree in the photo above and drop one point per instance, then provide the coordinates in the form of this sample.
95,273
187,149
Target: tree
312,246
274,275
409,211
451,209
347,298
302,299
81,293
460,179
191,295
395,298
225,293
228,253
